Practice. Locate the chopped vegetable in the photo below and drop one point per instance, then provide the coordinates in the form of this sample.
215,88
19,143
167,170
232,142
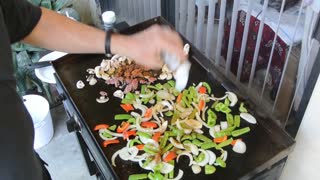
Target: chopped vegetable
127,107
156,136
140,146
224,143
205,84
208,169
208,145
122,116
203,138
170,156
127,134
106,143
148,124
220,162
113,127
138,176
230,119
237,121
179,98
148,113
123,127
220,139
101,126
202,90
240,132
201,104
242,109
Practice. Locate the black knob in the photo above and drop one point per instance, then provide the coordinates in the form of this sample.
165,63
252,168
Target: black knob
60,98
73,125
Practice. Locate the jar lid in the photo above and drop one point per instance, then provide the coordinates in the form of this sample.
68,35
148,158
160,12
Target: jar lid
109,17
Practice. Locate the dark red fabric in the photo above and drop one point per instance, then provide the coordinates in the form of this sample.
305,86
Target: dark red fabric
279,55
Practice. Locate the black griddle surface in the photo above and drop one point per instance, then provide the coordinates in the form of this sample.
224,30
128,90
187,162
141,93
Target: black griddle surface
266,143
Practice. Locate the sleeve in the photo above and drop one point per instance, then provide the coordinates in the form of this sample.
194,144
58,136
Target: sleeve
20,17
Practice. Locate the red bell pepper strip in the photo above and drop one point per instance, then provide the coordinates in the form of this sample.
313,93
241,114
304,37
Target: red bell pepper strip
220,139
148,124
127,134
107,142
201,104
156,136
127,107
179,98
123,127
171,156
202,90
101,126
140,146
148,113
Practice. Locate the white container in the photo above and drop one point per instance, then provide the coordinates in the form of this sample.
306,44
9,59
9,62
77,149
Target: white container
38,108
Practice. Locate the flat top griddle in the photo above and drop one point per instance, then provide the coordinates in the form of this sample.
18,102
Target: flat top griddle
266,143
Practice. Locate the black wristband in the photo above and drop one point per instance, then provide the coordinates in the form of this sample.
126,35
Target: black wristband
107,46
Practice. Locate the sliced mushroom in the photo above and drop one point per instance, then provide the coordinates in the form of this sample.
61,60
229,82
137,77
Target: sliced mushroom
248,117
92,81
102,99
80,84
118,94
105,76
169,76
90,71
115,57
90,77
239,147
97,71
233,98
162,76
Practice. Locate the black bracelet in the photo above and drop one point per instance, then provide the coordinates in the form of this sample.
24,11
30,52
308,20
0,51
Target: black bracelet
108,42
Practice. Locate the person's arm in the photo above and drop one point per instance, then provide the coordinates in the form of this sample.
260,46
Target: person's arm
56,32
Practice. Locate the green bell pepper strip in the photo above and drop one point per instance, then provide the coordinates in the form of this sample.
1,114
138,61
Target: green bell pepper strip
175,116
226,102
225,132
132,142
237,120
206,85
159,86
106,135
171,174
175,92
130,96
150,149
171,83
214,104
138,176
170,133
122,116
225,110
151,176
127,101
158,167
208,145
194,135
200,157
153,87
186,142
230,120
242,109
164,141
212,118
113,127
147,162
166,86
186,137
218,106
203,138
197,142
240,132
208,169
220,162
158,176
132,121
186,101
143,89
143,134
168,113
224,143
168,147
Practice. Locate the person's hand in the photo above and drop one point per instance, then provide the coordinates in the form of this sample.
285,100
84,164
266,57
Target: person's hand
145,47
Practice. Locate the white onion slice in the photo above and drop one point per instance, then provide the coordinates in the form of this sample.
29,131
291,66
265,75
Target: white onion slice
185,153
205,160
176,143
224,155
233,98
224,125
199,131
196,169
193,148
211,132
218,99
248,117
212,157
166,168
217,128
147,95
163,94
143,108
113,158
239,147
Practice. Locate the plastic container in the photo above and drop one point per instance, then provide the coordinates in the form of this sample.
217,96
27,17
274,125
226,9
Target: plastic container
38,108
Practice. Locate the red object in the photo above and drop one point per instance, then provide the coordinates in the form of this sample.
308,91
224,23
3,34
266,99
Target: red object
179,98
220,139
127,134
278,58
107,142
171,156
234,141
148,113
148,124
201,104
202,90
101,126
123,127
140,146
127,107
156,136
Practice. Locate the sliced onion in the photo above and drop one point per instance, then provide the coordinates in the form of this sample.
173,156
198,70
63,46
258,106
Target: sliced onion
217,128
163,94
167,104
211,132
175,143
196,169
233,98
112,133
224,125
198,116
150,166
182,109
187,131
143,108
185,153
113,158
147,95
248,117
105,138
218,99
193,148
193,124
239,147
224,155
205,160
134,114
212,157
166,168
139,158
204,113
179,176
199,131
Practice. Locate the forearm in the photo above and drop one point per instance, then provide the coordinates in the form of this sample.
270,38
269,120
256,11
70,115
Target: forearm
56,32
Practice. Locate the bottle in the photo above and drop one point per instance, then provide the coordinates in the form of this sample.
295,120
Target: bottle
109,18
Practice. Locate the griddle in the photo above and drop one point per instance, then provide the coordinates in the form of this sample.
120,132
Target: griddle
267,143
